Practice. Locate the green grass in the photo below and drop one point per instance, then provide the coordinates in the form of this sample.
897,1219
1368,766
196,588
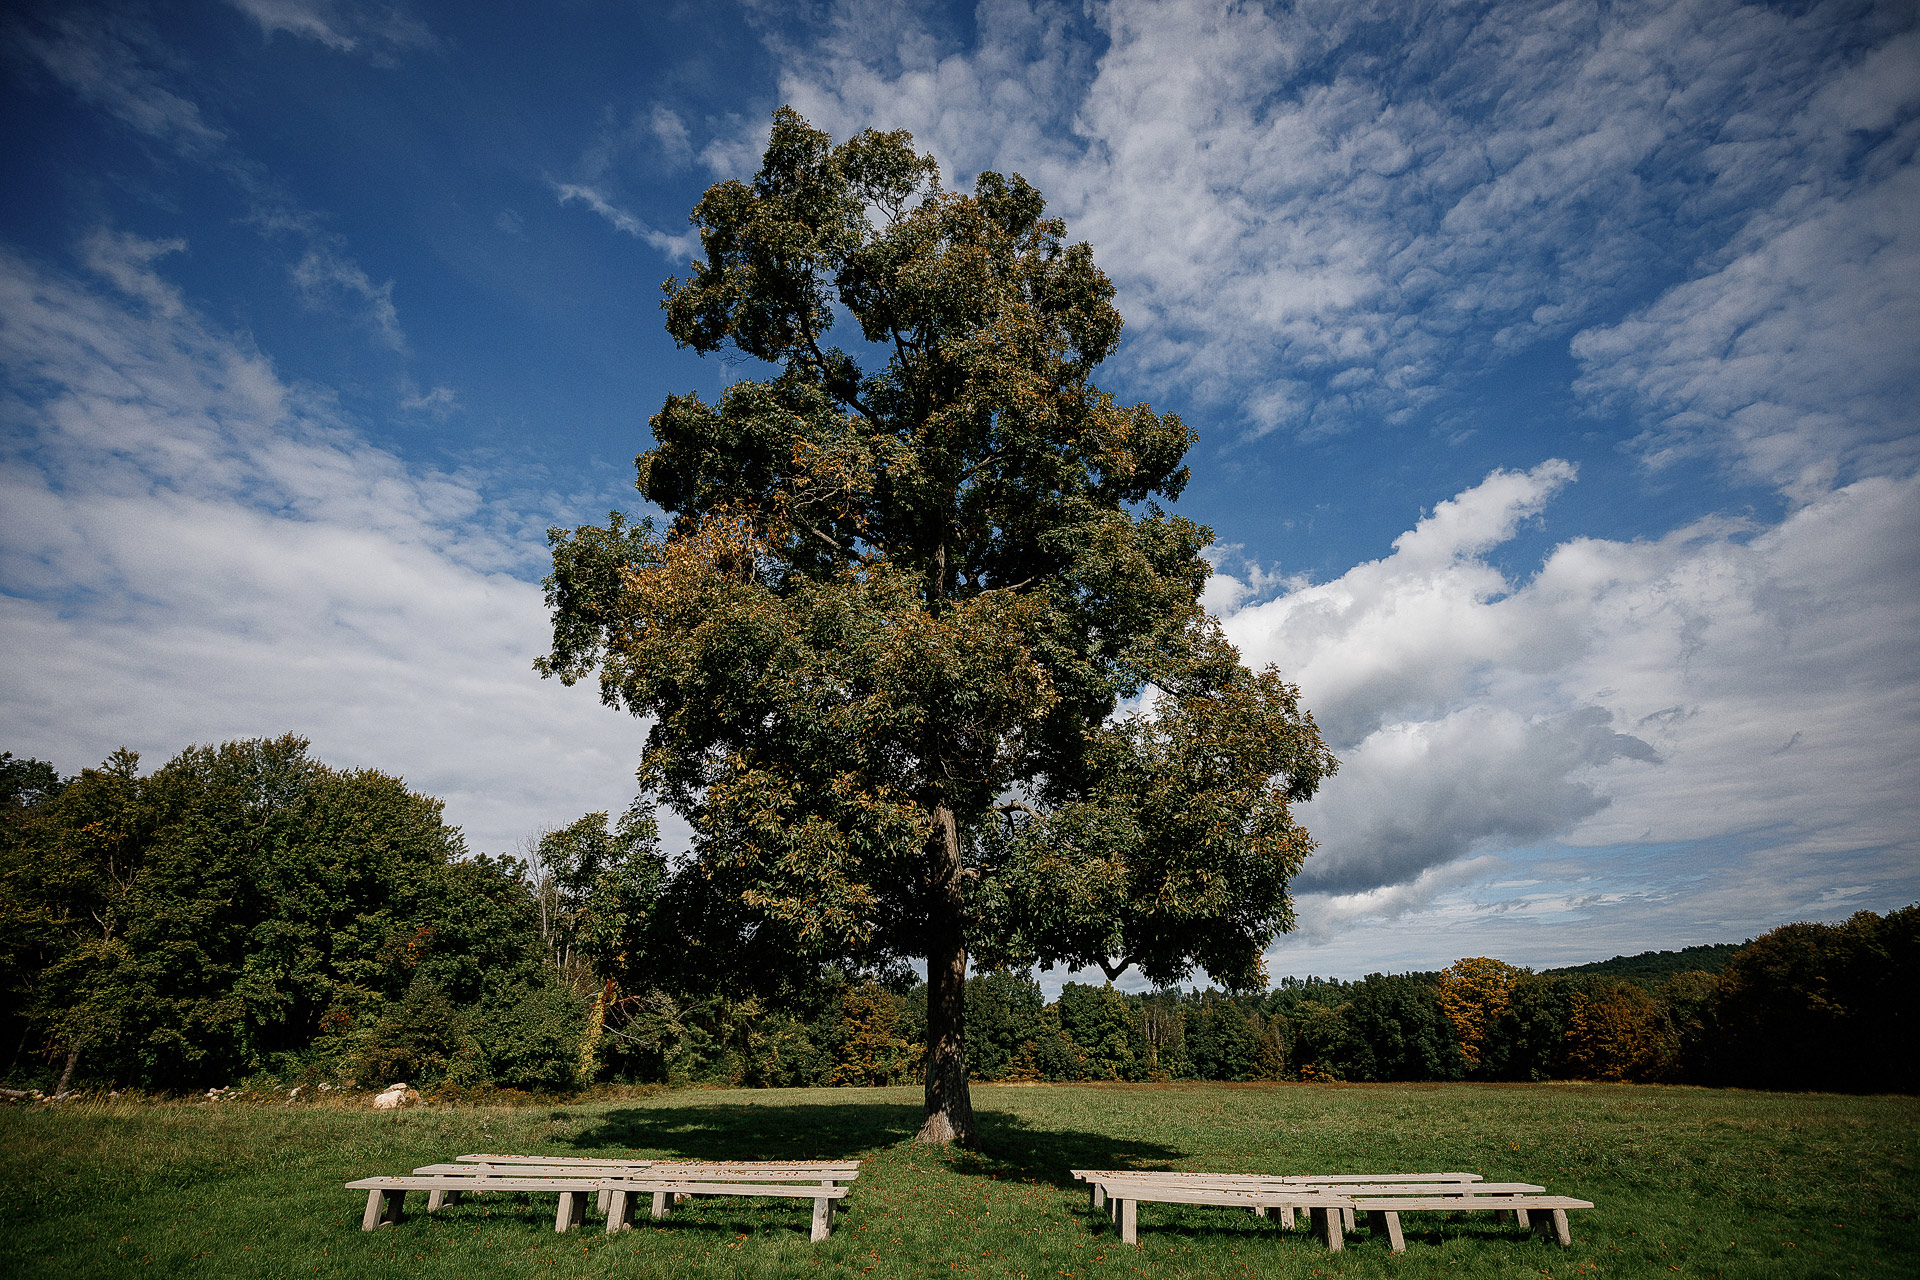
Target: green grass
1686,1182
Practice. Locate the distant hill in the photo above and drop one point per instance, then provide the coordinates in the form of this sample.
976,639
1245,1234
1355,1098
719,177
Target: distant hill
1650,967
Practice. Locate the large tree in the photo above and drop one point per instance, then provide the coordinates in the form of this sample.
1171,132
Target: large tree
926,665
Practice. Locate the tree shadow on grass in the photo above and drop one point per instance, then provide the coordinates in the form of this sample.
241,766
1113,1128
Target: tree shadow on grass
1009,1147
702,1130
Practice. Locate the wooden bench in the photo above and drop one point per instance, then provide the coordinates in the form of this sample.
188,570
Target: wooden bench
386,1197
1123,1198
1097,1179
830,1171
1385,1210
1383,1197
772,1171
624,1191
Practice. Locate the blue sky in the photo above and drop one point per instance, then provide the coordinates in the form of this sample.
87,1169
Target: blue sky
1554,367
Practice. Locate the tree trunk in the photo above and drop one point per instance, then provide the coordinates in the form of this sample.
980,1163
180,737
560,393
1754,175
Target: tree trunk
66,1076
949,1109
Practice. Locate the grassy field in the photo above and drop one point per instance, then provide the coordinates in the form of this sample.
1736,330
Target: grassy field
1687,1182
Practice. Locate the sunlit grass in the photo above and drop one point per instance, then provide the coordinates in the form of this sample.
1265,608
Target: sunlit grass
1686,1181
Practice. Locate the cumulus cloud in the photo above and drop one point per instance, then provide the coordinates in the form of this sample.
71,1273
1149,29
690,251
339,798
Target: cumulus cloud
1280,203
194,548
1721,684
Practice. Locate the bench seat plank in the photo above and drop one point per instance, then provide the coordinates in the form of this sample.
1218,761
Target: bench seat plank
1469,1204
479,1171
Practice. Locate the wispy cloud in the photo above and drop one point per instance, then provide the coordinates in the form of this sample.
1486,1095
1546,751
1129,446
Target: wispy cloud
378,31
106,61
323,276
193,547
649,140
680,247
118,65
1282,206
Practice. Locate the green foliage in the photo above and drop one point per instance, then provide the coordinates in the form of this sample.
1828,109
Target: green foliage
895,594
421,1038
1822,1006
1104,1028
598,890
1005,1012
246,911
246,908
1220,1040
528,1038
1529,1039
1651,968
1397,1030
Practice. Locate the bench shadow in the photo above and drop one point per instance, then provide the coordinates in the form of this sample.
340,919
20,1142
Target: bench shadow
1007,1148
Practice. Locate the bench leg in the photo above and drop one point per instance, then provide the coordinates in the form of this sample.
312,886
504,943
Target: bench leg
1389,1221
1346,1219
1258,1210
660,1205
1329,1225
1520,1219
1099,1196
1554,1223
1286,1216
822,1219
601,1201
572,1211
376,1201
617,1211
1130,1222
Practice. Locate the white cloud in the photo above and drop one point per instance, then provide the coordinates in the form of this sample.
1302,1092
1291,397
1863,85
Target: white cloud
380,31
1720,684
440,403
1799,357
193,549
1281,205
104,61
680,248
322,275
116,64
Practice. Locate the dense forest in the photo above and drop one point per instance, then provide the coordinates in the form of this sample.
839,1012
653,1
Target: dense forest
246,913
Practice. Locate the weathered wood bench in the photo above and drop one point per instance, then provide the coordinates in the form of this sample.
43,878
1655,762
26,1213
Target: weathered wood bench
386,1197
1124,1197
1097,1179
1385,1210
1336,1200
625,1191
831,1171
484,1174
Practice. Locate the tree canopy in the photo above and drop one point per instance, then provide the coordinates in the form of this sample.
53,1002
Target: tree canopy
925,660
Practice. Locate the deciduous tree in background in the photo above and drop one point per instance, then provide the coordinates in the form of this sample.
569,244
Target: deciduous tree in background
904,591
1474,993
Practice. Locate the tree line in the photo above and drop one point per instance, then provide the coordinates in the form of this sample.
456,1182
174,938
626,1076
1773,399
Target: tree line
246,911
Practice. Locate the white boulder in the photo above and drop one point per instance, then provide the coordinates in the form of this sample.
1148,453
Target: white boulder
395,1096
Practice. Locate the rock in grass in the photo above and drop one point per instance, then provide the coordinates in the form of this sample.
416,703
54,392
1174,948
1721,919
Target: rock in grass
395,1096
